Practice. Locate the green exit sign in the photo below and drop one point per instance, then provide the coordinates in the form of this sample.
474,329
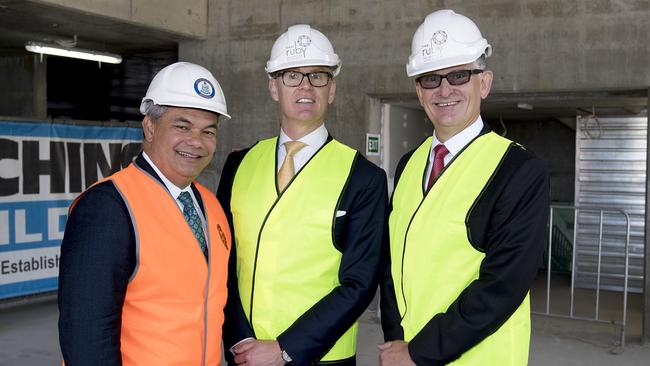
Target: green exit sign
372,144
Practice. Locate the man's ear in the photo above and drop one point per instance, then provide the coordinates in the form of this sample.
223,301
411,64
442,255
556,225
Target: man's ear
148,128
273,89
486,83
332,93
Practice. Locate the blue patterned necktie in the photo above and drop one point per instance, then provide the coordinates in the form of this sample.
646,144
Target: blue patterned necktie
193,219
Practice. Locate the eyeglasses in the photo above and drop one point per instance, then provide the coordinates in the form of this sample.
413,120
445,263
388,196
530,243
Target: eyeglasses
458,77
316,78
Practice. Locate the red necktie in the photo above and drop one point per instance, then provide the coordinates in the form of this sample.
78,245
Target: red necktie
440,151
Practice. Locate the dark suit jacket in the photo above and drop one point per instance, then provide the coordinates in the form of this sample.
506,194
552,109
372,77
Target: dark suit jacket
358,235
508,224
97,261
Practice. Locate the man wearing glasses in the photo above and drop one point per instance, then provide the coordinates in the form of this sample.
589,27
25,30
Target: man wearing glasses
467,221
308,215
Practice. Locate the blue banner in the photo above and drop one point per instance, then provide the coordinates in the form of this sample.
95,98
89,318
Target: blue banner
43,167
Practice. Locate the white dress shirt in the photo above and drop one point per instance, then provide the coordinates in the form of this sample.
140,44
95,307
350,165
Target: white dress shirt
455,144
314,141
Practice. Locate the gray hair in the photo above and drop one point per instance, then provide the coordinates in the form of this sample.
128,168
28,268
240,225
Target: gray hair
480,62
154,111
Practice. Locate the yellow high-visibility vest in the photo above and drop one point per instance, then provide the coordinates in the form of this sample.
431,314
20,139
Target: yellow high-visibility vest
286,258
432,258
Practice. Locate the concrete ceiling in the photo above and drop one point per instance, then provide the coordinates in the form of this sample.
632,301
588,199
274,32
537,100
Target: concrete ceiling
23,21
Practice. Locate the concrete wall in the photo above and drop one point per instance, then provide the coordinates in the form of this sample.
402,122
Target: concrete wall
538,46
24,87
187,17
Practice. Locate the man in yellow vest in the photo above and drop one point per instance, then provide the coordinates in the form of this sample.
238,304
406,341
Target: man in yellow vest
467,221
308,216
145,252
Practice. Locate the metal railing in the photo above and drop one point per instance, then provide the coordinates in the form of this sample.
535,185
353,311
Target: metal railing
549,265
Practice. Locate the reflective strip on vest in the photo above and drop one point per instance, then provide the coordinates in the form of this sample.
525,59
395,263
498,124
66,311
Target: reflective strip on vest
286,258
173,310
432,258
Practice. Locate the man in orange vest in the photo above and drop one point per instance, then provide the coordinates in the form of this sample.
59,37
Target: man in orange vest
144,256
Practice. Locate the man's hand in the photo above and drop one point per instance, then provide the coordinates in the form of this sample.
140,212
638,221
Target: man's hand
395,353
258,353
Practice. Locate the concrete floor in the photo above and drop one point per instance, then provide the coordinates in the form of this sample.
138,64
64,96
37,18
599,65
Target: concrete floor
28,336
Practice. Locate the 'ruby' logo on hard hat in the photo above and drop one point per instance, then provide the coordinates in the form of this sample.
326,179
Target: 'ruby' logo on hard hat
298,48
433,49
439,37
204,88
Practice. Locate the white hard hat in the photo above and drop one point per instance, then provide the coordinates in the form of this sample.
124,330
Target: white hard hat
302,45
187,85
445,39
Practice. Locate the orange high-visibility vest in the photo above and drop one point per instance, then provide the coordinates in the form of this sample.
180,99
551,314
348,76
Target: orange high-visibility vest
173,310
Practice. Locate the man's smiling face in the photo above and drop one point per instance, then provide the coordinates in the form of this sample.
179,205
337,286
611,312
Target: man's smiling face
181,143
451,108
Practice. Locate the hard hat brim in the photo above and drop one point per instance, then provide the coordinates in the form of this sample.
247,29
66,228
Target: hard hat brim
205,107
272,67
415,69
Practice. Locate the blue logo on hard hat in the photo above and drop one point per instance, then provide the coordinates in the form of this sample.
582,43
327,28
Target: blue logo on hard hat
204,88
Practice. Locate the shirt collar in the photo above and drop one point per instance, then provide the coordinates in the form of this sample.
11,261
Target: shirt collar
314,139
457,142
174,190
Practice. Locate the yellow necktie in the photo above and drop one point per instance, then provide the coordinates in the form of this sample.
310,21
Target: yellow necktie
287,171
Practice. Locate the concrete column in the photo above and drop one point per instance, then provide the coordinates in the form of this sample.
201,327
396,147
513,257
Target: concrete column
373,118
39,87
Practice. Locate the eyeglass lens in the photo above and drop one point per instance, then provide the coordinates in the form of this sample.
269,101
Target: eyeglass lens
459,77
294,78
